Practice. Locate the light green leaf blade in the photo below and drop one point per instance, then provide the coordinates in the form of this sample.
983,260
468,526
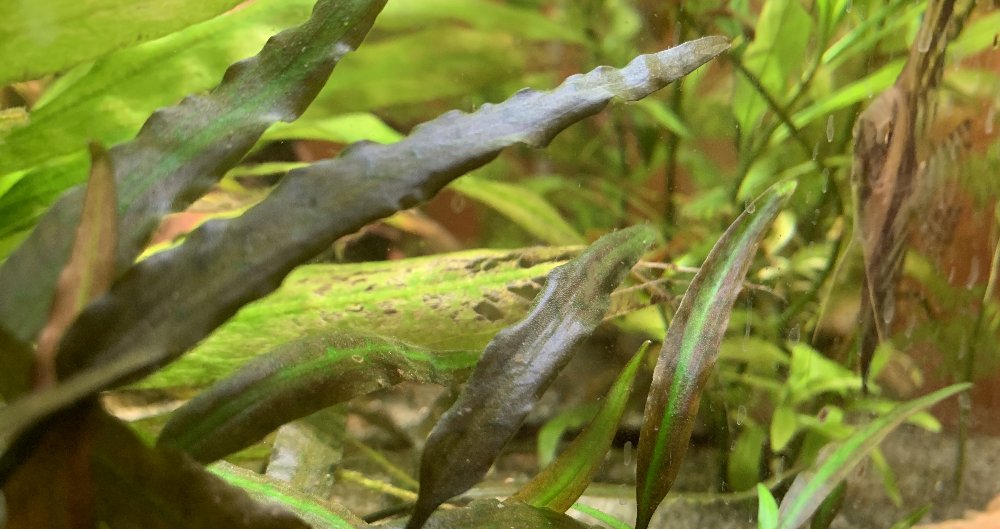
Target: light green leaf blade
767,508
38,37
561,483
525,208
810,488
318,513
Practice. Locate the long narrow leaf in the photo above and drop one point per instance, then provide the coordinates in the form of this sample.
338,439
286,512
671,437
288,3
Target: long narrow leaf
163,305
561,483
296,380
490,514
690,349
182,150
320,514
91,265
811,487
517,366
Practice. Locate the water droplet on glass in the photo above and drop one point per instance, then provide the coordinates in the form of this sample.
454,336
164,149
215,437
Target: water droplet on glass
815,151
991,115
750,206
457,203
628,453
829,129
850,4
826,179
358,358
973,274
794,334
889,311
741,415
924,42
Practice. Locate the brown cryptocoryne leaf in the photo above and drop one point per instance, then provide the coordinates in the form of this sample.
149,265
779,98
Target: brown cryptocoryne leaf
518,365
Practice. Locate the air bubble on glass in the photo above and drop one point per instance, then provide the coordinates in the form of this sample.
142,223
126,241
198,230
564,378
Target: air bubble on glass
889,311
829,129
794,334
457,203
750,206
628,453
973,274
991,115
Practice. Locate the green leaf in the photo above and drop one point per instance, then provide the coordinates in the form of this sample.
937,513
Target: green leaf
522,206
828,510
344,128
690,349
779,47
46,36
767,508
296,380
856,92
111,99
601,516
517,366
412,68
182,150
447,301
743,464
783,427
561,483
913,518
550,435
485,16
318,513
811,487
980,35
163,305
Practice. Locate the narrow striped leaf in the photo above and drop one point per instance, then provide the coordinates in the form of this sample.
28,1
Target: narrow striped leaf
318,513
517,366
561,483
296,380
690,350
811,487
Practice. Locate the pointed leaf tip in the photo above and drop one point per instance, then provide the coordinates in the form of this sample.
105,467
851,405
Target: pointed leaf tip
690,349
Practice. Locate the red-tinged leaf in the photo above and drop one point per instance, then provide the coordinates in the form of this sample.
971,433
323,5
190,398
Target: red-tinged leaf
91,266
183,150
53,487
691,347
517,366
139,486
297,379
561,483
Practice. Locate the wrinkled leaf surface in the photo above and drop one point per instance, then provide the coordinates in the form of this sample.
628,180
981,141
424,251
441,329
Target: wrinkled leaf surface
518,365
